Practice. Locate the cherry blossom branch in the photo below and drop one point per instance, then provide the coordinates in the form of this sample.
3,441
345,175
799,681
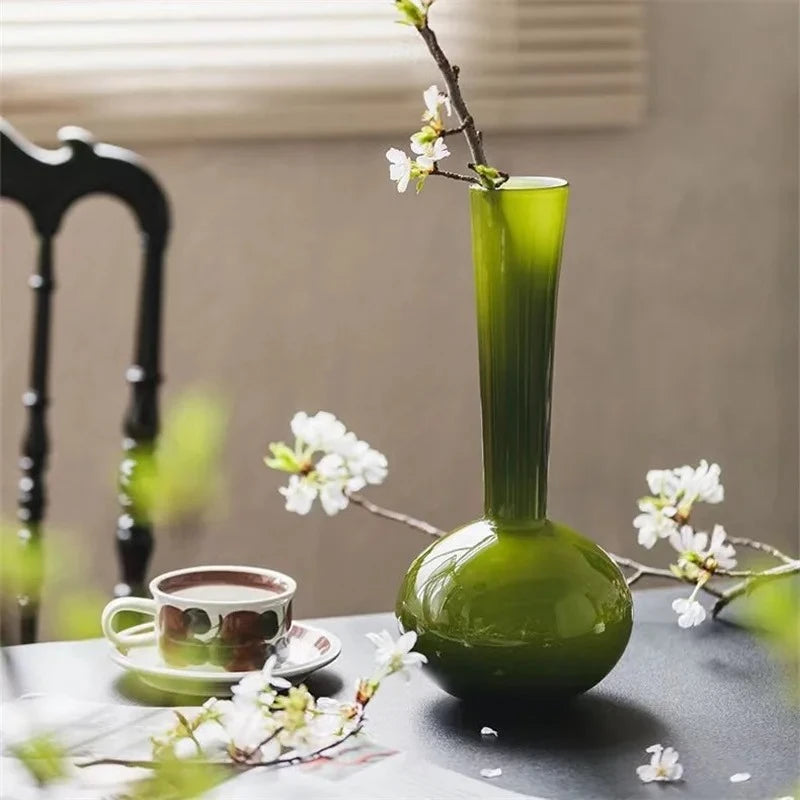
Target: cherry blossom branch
450,75
756,579
237,765
395,516
453,131
454,175
248,755
763,547
791,567
314,754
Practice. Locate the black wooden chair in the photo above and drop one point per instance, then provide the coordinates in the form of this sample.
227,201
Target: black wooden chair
47,183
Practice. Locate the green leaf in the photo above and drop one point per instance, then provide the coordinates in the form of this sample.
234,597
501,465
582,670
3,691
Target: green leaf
21,563
426,135
283,458
411,13
43,757
775,611
175,779
77,614
180,478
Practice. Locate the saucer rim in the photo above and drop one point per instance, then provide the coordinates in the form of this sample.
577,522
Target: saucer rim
195,676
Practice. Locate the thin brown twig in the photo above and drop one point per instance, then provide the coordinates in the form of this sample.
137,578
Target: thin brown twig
315,753
251,753
450,75
789,568
639,570
396,516
275,762
743,541
452,131
455,175
753,582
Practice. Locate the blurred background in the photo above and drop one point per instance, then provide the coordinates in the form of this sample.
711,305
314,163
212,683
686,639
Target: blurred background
298,278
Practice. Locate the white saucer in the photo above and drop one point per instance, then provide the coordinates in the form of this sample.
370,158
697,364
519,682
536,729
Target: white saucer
309,649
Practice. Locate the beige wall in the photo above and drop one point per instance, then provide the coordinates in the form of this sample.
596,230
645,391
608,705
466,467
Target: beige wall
299,279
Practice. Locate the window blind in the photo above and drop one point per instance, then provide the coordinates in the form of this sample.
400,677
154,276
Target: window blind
196,69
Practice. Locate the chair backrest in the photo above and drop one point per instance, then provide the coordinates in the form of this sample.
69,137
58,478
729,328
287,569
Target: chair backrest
47,183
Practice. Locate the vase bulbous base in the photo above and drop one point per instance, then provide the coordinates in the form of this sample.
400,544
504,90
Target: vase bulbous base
533,611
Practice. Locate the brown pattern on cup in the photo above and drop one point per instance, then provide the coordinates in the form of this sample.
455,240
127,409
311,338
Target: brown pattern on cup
238,642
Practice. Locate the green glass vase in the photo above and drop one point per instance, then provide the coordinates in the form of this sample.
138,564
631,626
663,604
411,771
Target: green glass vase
514,603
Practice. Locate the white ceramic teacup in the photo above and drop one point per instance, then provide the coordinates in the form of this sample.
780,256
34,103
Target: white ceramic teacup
232,617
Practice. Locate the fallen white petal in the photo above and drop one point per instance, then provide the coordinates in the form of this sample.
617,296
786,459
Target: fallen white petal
740,777
491,773
487,731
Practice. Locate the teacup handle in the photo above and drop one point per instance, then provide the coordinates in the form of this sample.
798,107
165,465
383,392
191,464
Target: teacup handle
127,638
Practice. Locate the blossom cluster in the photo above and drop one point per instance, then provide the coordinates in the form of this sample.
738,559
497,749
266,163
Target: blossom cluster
427,144
665,514
327,462
268,721
674,493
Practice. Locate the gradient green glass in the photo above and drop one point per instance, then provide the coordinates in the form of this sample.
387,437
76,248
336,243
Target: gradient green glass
514,603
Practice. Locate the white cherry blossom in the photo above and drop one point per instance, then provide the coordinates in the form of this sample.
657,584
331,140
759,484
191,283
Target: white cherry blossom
434,100
399,167
333,497
687,541
684,486
347,464
701,484
690,612
663,483
300,494
257,688
364,462
654,523
396,656
209,739
430,154
319,432
720,550
663,765
331,467
249,731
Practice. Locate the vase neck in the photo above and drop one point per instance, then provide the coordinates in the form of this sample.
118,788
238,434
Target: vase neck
517,237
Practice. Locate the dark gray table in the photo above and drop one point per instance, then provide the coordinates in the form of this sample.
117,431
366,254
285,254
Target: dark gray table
711,692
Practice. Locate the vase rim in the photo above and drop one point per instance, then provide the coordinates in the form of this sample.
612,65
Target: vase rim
521,182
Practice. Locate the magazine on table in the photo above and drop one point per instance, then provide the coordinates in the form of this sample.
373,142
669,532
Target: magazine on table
359,768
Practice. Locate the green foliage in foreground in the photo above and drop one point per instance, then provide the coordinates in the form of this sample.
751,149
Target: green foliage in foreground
173,779
181,478
774,609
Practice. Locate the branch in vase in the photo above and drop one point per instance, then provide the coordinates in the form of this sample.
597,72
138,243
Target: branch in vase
450,75
454,175
452,131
